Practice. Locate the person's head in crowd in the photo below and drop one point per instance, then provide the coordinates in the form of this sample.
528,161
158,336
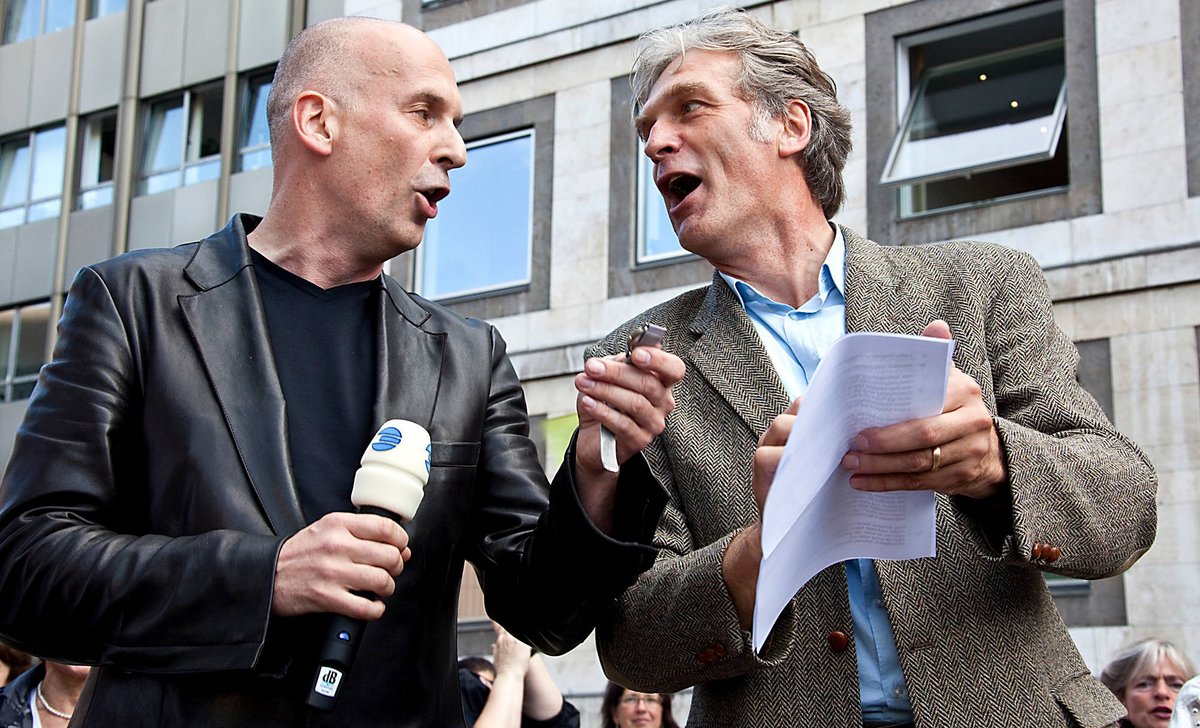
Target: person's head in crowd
1146,677
480,667
12,663
624,708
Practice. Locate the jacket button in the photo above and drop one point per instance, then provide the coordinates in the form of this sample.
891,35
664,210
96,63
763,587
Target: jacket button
1053,553
838,641
719,649
707,657
1036,553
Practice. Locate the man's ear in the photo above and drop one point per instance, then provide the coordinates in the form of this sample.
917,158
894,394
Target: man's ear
797,127
315,119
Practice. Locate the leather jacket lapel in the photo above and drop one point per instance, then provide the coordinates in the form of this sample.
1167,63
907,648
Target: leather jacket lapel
408,373
729,354
226,322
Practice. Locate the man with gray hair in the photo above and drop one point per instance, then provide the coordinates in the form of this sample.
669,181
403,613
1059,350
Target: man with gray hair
748,142
178,510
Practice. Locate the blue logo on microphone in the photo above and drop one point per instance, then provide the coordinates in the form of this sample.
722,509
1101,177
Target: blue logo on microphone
389,437
428,455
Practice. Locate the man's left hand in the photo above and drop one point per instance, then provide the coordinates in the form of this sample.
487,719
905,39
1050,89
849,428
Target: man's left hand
955,453
632,399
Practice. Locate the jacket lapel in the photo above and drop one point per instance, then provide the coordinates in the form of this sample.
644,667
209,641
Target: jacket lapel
409,359
226,322
729,354
875,295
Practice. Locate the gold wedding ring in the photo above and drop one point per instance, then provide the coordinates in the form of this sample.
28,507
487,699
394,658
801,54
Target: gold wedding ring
937,459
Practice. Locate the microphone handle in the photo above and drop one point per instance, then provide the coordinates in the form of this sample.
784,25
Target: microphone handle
340,646
338,651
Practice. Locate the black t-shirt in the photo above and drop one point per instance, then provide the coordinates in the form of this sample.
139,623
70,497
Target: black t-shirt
324,342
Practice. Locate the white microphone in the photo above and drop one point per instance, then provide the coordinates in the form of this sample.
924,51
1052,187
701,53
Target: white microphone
390,483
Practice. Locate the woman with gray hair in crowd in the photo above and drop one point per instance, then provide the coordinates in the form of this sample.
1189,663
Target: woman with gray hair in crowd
1146,677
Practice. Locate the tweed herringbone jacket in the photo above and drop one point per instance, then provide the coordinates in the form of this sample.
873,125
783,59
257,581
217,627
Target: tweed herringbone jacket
980,642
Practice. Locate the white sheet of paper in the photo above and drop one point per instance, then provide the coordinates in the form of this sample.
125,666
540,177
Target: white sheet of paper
813,518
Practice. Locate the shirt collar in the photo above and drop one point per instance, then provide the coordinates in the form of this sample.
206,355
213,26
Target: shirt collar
833,277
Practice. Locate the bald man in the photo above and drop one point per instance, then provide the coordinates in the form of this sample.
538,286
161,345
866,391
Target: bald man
177,508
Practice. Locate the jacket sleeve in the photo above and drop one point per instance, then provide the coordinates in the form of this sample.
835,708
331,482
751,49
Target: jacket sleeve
84,578
677,625
546,571
1075,485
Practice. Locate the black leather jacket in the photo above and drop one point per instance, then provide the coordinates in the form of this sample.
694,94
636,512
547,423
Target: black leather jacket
150,490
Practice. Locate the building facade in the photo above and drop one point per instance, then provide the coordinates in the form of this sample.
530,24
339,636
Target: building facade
1066,128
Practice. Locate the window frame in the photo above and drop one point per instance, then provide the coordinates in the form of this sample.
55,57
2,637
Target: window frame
908,94
1082,196
648,196
494,288
30,202
537,113
91,147
626,275
245,119
40,26
190,166
95,9
433,14
9,380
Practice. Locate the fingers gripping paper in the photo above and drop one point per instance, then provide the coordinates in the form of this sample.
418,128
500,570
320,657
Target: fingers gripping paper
812,517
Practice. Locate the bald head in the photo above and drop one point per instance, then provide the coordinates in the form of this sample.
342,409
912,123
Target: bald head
331,58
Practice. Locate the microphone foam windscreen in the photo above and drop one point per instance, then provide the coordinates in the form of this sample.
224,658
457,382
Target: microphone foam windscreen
395,469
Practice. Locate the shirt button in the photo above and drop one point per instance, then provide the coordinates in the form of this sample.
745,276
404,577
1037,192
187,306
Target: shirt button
878,603
897,691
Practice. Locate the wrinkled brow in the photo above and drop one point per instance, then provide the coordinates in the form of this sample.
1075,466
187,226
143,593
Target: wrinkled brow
674,91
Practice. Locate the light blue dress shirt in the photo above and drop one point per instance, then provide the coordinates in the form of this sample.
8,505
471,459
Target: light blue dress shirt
796,339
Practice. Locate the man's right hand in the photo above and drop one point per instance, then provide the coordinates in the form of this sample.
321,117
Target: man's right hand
744,554
322,565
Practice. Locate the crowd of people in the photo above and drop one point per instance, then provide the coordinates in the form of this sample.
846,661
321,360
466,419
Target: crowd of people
206,407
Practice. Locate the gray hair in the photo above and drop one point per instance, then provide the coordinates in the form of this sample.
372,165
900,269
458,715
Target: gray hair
319,58
777,68
1140,658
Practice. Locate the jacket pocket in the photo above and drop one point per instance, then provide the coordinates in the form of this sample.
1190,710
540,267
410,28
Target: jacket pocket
454,455
1086,703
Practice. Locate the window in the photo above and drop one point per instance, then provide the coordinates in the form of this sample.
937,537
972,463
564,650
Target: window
100,8
23,332
656,237
254,137
24,19
434,14
991,117
487,253
643,252
98,144
183,140
31,176
481,240
987,101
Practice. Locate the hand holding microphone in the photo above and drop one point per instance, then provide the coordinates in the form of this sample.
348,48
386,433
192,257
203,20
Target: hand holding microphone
340,563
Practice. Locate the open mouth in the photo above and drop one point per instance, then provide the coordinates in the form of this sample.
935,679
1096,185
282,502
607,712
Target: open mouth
675,188
432,196
435,195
